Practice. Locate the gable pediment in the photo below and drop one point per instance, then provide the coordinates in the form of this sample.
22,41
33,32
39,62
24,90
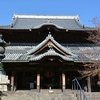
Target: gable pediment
48,43
50,47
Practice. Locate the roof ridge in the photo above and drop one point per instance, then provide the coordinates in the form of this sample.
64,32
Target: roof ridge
45,16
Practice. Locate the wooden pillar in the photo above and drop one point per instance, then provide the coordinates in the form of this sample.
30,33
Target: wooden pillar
98,83
63,82
38,82
98,76
89,84
15,81
12,81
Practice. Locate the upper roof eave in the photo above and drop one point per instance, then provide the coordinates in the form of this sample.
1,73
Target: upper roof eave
10,27
3,28
73,23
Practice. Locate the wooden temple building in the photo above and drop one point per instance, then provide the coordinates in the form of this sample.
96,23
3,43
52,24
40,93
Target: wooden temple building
47,51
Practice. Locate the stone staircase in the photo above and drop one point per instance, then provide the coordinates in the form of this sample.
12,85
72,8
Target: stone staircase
46,95
43,95
93,95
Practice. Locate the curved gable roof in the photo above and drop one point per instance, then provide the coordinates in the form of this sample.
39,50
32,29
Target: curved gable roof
43,43
51,52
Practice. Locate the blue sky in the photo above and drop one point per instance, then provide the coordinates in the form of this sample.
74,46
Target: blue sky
86,9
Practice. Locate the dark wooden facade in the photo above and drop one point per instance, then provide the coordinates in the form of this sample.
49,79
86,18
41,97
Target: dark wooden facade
30,59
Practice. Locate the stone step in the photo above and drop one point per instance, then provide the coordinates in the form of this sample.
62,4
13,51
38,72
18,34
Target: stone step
44,95
37,96
46,90
93,95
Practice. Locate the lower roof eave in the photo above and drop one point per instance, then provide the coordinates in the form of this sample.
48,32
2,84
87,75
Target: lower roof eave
14,61
80,61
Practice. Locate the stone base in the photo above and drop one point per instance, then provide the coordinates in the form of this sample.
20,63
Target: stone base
3,88
4,83
63,90
38,90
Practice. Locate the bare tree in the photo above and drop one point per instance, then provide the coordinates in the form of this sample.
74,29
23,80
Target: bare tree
95,34
92,68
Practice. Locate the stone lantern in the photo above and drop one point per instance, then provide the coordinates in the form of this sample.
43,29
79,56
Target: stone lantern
3,44
4,82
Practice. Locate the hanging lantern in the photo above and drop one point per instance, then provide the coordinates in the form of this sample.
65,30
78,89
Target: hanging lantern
49,74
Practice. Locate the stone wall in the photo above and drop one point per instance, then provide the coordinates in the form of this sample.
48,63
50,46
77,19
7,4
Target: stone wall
4,82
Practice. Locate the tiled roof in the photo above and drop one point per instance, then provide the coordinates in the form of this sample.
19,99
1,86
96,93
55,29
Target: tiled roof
85,52
31,52
35,22
50,38
51,52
